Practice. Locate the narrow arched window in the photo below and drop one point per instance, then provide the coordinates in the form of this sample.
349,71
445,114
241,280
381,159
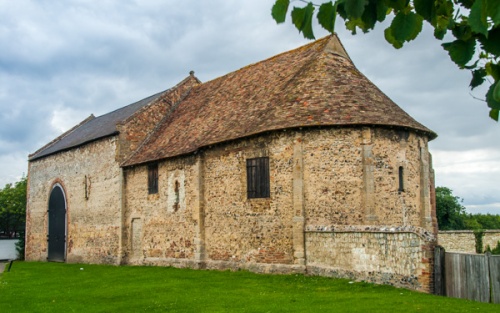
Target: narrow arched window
177,197
401,179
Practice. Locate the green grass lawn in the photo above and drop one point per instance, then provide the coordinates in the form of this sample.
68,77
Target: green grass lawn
57,287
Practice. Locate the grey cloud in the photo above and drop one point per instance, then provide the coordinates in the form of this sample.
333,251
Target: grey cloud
78,57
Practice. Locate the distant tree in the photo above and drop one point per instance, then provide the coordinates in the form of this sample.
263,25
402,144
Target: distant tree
488,221
13,208
474,24
449,210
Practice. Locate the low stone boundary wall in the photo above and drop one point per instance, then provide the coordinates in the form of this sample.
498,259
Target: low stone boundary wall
465,241
395,256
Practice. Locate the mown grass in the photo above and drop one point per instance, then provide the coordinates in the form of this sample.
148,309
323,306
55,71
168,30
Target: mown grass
55,287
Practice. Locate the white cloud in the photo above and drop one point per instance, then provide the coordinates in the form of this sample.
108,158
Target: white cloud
62,61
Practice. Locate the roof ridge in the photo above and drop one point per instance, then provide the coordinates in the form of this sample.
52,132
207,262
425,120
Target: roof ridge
161,94
303,47
66,133
159,125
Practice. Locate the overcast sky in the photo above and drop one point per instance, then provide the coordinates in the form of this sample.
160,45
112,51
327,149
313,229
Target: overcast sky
60,61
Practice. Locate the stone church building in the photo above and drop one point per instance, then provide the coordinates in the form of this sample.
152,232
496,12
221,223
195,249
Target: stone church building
295,164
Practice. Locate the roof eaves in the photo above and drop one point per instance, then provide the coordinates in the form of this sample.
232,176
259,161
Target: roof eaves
32,156
74,146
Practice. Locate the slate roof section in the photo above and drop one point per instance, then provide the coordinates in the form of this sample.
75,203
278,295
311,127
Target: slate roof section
93,128
314,85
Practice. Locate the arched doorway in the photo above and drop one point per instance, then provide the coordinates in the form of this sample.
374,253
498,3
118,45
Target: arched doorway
57,225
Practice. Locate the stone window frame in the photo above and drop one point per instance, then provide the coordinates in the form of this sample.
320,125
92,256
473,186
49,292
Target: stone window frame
258,178
153,178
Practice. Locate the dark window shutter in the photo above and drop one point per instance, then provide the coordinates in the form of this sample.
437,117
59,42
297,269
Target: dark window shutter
258,178
153,178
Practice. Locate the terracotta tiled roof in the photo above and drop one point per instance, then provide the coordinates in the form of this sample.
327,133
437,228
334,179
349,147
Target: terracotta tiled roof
314,85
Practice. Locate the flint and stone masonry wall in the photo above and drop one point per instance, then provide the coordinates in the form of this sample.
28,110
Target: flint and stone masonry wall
90,178
465,241
335,206
317,177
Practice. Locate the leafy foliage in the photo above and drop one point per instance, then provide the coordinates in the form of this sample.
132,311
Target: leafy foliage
449,210
13,208
475,24
451,214
495,250
478,236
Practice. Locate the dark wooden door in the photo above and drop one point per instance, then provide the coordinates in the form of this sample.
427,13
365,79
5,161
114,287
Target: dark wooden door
57,225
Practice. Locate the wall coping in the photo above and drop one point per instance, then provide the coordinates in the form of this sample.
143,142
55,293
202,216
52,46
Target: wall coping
422,233
467,231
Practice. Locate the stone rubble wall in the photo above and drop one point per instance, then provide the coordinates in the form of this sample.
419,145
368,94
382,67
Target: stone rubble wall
166,233
243,230
215,226
90,178
334,207
464,240
396,257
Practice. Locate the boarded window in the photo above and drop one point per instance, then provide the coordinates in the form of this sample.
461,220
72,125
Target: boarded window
153,178
258,178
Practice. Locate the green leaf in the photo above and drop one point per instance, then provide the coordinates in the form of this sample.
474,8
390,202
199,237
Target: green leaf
493,70
494,114
397,5
492,43
494,11
382,10
425,8
326,16
355,8
353,23
496,92
466,3
302,19
477,18
406,27
439,33
490,97
462,31
279,10
390,38
374,11
478,77
460,51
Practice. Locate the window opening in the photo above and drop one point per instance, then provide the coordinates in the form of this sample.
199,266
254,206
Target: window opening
258,178
153,178
401,176
176,190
